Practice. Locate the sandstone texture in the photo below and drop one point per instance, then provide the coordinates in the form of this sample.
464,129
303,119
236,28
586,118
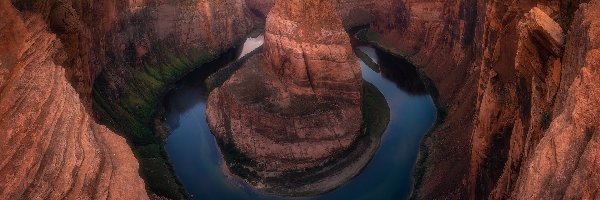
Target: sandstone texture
51,147
519,121
353,12
99,34
296,106
120,57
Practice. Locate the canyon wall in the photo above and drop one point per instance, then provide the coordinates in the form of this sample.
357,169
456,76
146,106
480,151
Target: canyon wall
509,75
51,146
440,38
101,34
121,57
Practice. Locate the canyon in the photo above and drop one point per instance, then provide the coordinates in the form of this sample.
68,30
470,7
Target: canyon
515,84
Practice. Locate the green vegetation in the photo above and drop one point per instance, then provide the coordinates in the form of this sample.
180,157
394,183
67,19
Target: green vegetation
130,109
376,112
238,163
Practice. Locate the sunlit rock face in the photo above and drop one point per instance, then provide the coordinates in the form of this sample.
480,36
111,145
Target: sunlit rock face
508,83
119,57
51,146
297,105
308,48
353,12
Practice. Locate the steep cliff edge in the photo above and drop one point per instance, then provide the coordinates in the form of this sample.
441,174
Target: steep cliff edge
297,106
51,147
121,56
508,89
565,162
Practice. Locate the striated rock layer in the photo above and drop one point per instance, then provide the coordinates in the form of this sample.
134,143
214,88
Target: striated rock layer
520,106
353,12
121,57
51,147
297,106
308,48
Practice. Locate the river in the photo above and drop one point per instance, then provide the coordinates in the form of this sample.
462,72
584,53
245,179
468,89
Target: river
196,158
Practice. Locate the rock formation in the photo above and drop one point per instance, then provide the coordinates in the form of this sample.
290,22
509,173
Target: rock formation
100,34
353,12
516,81
120,57
51,147
518,123
297,106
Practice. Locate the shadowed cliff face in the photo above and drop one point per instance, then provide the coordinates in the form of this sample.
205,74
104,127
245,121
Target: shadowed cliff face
511,89
98,35
51,147
294,107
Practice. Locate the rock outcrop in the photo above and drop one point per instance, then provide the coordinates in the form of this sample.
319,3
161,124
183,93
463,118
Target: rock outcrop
353,12
519,121
296,106
566,158
121,56
308,48
51,147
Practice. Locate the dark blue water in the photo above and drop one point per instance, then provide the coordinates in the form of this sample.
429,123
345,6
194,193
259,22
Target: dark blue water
196,159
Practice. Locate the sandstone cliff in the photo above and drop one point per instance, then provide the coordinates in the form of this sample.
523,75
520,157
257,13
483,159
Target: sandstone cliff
296,106
121,56
353,12
517,113
51,147
100,34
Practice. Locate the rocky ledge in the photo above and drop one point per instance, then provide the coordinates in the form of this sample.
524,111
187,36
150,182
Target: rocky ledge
295,107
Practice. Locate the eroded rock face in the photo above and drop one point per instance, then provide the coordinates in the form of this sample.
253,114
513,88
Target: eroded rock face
102,36
566,157
308,48
120,56
296,106
353,12
51,147
506,89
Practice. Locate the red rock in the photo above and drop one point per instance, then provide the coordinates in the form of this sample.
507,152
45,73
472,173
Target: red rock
51,147
503,137
353,12
298,105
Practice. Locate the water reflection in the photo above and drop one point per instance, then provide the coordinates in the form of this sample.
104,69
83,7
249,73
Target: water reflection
196,159
251,44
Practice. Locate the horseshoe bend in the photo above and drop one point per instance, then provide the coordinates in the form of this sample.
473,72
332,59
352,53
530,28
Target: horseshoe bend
310,99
